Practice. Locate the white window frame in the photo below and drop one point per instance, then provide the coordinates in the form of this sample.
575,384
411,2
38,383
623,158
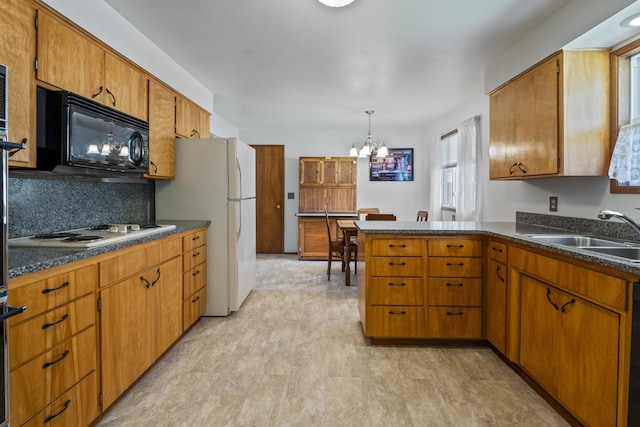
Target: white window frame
449,164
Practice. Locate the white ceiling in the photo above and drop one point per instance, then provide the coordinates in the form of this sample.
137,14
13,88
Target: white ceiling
299,64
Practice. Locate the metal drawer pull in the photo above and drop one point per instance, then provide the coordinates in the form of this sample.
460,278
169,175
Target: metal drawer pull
157,278
453,284
50,417
47,290
62,319
455,246
196,273
451,313
196,299
196,254
397,246
564,307
549,298
145,281
397,312
47,364
496,249
195,238
498,274
397,284
397,263
460,264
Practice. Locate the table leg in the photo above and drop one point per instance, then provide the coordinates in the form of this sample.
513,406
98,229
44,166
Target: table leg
347,260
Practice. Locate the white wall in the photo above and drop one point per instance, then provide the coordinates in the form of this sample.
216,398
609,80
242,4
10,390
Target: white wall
577,196
401,198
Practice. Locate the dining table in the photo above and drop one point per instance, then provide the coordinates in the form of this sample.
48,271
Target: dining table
349,230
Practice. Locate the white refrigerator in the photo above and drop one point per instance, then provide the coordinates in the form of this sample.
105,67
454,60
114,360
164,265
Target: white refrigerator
216,181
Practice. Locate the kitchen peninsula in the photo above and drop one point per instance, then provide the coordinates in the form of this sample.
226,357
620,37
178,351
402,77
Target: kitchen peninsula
534,302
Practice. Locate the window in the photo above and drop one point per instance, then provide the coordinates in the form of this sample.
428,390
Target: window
625,96
449,159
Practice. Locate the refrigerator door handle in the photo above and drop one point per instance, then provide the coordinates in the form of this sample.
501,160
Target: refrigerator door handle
239,169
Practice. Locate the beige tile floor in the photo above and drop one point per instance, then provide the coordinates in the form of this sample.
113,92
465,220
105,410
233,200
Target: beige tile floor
294,355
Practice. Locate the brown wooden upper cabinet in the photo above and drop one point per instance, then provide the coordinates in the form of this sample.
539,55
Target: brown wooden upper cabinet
328,171
162,138
553,119
191,120
71,60
17,38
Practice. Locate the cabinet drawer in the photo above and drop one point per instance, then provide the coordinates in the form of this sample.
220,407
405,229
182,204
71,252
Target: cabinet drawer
455,267
49,293
193,240
397,267
77,407
455,247
397,322
31,338
193,307
194,257
397,247
498,251
455,292
132,262
38,383
455,322
395,291
194,279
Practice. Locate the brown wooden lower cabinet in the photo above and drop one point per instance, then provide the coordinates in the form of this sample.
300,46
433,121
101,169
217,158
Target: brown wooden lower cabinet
313,242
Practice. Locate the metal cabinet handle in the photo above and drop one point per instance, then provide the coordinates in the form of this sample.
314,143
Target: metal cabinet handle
397,263
496,249
155,167
52,416
451,313
455,246
98,92
196,254
549,298
196,299
460,264
195,238
454,284
195,273
564,307
47,364
157,278
145,281
47,290
397,284
397,246
62,319
498,274
397,312
112,97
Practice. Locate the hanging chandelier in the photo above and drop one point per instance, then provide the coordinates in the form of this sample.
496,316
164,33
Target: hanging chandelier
368,147
336,3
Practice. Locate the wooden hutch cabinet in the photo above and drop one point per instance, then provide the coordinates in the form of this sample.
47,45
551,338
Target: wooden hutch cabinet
326,183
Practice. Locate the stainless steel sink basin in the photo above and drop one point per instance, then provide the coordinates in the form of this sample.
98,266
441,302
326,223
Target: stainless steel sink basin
577,241
632,254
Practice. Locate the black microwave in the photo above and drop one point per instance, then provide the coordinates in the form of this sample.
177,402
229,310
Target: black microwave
73,131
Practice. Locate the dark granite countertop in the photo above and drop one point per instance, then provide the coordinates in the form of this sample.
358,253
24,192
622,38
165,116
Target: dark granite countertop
29,260
515,232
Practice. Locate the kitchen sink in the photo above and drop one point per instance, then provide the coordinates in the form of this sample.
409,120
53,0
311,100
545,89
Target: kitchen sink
632,254
579,241
605,246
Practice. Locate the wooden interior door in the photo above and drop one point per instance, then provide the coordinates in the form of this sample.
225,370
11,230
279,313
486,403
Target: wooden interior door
269,199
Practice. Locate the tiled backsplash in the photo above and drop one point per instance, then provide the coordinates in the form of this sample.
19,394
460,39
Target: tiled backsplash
47,205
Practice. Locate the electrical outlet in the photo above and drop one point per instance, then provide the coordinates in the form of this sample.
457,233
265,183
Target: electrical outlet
290,196
553,204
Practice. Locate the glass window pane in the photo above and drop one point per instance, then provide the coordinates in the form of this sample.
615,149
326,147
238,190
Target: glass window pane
448,187
449,150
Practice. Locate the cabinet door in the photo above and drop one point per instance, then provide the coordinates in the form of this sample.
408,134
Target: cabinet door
68,59
18,40
162,148
310,171
166,302
329,171
127,87
539,334
125,336
191,120
347,172
502,131
496,317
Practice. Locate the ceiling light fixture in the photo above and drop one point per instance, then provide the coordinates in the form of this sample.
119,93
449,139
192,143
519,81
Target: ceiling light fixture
336,3
631,21
369,148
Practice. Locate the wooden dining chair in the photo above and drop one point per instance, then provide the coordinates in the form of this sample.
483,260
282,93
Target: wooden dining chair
336,249
380,217
366,211
422,216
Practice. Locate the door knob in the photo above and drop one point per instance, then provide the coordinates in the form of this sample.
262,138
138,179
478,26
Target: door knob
277,206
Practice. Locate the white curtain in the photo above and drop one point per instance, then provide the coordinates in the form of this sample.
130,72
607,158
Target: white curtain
435,213
625,161
466,196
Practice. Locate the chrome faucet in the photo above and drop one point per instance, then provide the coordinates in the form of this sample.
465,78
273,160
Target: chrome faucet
607,214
